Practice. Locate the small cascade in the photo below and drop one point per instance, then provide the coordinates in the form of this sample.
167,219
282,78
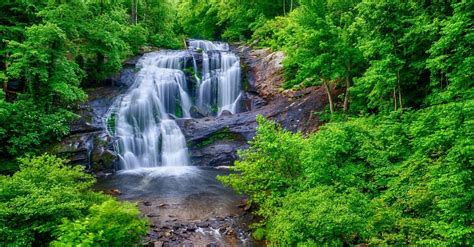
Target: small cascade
148,136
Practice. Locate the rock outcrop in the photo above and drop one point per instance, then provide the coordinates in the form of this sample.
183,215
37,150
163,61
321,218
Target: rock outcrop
89,143
214,141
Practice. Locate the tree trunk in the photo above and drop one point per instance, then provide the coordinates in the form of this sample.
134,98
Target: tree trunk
328,91
291,6
134,8
395,99
399,91
346,96
284,7
400,97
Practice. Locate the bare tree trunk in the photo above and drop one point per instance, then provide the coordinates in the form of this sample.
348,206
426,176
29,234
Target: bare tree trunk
284,7
134,14
328,91
132,11
400,97
291,5
346,96
399,91
395,99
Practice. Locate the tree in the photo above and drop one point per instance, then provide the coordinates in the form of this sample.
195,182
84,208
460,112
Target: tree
325,47
270,167
451,60
41,61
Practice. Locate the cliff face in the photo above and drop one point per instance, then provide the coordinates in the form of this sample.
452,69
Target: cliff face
212,141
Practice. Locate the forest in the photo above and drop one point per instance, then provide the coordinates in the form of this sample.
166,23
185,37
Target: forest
391,165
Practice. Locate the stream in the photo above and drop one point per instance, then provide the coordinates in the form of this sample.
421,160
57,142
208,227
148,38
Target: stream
186,206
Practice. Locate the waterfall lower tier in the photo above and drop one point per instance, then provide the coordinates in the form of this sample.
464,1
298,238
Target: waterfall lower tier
147,133
174,150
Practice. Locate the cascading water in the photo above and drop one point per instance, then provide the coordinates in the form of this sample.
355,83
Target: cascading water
148,136
220,88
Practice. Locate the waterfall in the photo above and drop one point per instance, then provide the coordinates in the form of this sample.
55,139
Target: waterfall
220,85
147,134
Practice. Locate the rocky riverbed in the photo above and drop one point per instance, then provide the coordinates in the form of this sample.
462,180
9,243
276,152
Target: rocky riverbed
186,206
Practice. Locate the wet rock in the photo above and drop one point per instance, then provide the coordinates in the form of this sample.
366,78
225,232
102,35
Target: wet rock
196,112
203,224
211,245
146,203
114,192
225,113
158,244
230,232
191,228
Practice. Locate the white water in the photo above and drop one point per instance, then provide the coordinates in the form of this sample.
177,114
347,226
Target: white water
148,137
220,77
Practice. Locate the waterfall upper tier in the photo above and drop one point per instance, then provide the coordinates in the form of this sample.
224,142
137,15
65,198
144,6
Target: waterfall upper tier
173,84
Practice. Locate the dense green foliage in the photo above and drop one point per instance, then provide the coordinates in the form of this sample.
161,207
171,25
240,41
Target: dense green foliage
402,179
389,54
51,49
46,197
232,20
396,168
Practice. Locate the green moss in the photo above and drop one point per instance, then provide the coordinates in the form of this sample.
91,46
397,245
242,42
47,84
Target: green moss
111,123
224,134
192,72
178,112
245,84
214,108
259,234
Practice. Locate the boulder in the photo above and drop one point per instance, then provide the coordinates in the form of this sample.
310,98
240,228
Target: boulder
196,112
225,113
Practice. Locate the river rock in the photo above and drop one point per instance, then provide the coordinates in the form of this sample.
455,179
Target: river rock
196,113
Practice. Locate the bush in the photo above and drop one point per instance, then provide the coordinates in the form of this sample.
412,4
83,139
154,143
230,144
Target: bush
35,199
320,216
45,194
108,224
270,168
398,179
